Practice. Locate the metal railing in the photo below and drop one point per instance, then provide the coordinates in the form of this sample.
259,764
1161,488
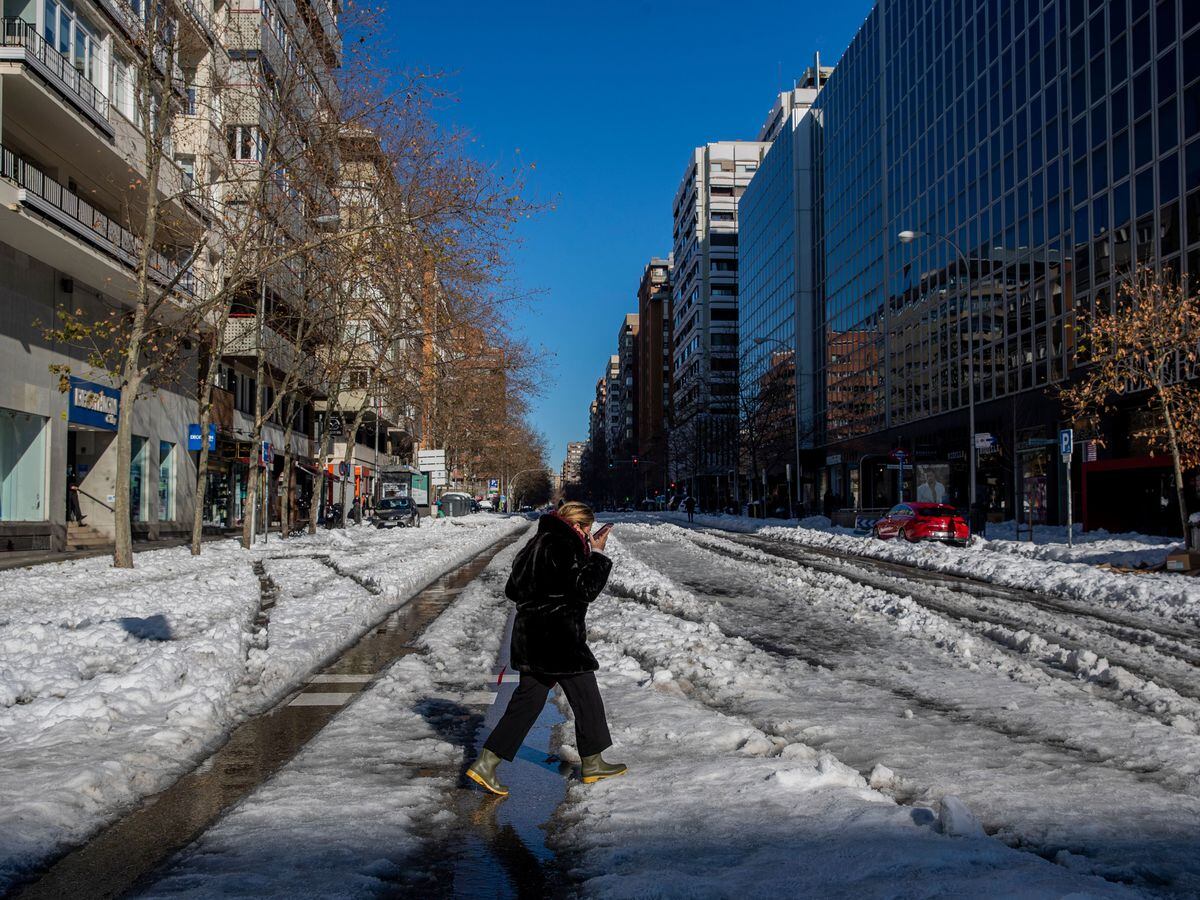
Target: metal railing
102,230
19,33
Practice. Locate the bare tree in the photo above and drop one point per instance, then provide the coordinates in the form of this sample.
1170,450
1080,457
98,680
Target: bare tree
1145,348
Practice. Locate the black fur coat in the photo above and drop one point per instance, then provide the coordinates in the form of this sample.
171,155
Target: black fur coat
553,580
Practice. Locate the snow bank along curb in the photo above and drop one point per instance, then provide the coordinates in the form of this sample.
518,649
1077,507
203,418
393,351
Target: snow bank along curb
115,682
360,807
1007,563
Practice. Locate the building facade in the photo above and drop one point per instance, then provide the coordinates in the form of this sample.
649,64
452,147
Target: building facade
572,467
705,317
1041,149
653,386
776,302
73,175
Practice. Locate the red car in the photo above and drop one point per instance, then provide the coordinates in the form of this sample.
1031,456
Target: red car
923,522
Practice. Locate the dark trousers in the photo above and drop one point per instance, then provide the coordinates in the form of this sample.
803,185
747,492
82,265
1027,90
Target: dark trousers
525,705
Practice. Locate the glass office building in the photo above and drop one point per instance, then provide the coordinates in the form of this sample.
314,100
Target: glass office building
1055,143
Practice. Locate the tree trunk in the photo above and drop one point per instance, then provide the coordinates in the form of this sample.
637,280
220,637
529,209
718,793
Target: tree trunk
285,502
202,462
1177,465
123,527
348,456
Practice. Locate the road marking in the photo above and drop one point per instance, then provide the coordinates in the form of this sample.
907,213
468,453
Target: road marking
341,679
319,699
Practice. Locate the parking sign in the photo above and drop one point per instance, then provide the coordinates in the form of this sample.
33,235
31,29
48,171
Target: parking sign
1066,441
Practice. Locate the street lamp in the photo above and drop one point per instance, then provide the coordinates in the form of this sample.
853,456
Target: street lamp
907,237
796,425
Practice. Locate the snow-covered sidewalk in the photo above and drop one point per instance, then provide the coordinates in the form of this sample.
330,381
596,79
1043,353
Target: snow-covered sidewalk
113,683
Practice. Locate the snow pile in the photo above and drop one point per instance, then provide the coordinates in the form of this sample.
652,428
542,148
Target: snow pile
1050,568
714,807
115,682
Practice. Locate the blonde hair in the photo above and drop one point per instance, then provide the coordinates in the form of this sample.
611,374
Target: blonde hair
577,514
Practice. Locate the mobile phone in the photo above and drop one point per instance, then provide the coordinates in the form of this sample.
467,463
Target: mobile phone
603,530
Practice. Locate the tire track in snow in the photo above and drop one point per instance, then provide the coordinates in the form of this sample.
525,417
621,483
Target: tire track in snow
1116,766
1128,676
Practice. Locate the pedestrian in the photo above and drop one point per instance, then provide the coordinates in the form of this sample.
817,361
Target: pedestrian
689,503
553,580
73,510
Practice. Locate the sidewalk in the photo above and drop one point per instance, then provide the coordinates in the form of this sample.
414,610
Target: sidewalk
22,559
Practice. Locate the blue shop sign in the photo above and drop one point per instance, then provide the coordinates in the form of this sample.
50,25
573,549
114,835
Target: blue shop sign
95,405
194,436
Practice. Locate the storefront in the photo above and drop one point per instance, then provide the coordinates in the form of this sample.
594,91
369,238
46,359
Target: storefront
23,453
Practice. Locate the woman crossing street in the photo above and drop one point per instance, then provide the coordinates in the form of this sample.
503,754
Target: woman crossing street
553,580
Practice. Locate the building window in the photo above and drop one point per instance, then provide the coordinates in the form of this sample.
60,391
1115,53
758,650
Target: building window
73,37
187,165
139,495
22,467
123,92
245,142
166,481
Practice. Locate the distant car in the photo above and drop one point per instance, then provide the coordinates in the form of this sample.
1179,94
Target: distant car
397,512
923,522
526,508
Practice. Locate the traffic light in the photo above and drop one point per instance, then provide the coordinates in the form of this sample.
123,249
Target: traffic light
635,460
610,465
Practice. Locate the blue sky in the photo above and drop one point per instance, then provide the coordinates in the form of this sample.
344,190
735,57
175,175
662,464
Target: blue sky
606,101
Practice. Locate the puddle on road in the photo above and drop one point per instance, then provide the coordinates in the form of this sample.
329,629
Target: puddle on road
124,853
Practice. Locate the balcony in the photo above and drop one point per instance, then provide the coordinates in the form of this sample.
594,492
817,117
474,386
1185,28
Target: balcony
242,339
22,44
50,200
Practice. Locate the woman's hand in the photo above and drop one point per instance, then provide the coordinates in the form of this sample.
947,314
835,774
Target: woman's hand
600,538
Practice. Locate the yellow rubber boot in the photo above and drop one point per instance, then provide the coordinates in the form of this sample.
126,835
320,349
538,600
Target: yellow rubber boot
483,773
594,768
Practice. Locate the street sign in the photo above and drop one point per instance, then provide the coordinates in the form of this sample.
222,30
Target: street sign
437,478
343,469
333,424
985,440
267,454
900,455
1066,442
493,484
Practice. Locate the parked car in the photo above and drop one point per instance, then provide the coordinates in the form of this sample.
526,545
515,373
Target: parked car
397,512
923,522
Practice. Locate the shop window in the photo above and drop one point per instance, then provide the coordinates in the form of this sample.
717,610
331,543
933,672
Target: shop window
22,467
139,491
166,481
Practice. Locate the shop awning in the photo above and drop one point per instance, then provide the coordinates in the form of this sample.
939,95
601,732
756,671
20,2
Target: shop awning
315,471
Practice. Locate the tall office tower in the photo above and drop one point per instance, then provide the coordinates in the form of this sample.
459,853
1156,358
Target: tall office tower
654,374
776,245
1040,150
705,314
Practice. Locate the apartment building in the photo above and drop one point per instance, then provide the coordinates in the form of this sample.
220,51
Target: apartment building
278,98
653,382
705,316
73,182
572,467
